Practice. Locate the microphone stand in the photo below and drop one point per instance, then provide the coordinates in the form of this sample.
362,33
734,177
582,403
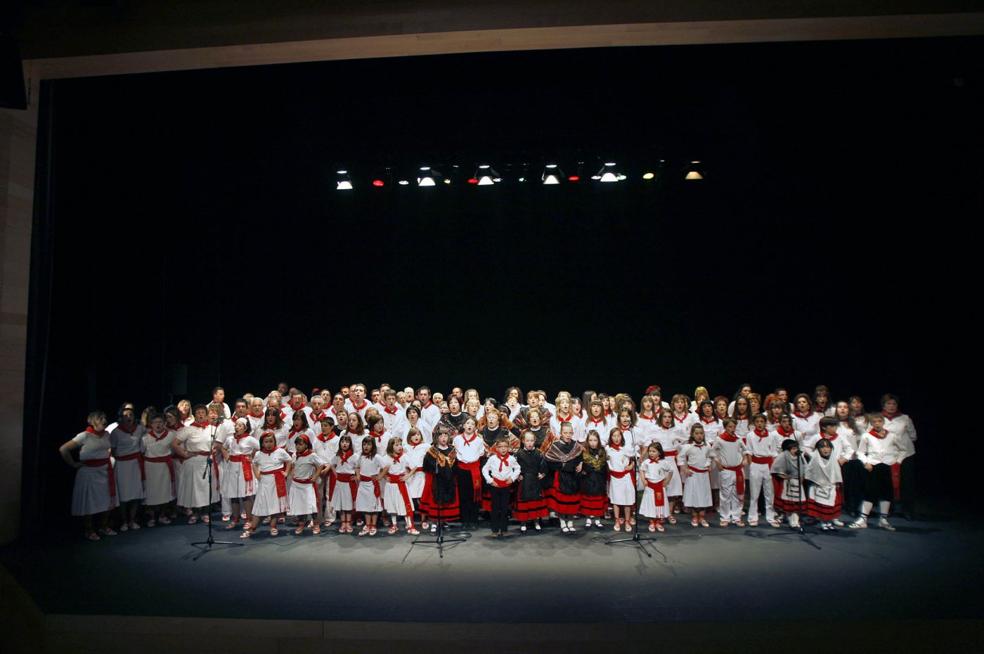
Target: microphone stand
439,540
206,545
642,543
800,530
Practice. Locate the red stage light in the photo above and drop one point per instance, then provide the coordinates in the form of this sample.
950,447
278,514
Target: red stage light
472,180
377,182
573,178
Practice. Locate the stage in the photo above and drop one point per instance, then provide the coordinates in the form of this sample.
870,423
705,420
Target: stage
926,571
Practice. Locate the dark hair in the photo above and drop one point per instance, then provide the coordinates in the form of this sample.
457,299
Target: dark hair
362,425
123,408
659,448
374,420
823,442
217,389
889,396
789,444
198,407
278,422
302,416
372,444
797,398
827,421
344,439
738,392
412,407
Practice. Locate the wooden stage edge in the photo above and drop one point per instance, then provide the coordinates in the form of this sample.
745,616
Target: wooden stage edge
28,629
504,40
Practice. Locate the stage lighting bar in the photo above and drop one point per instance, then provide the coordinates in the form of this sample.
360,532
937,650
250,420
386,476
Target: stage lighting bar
343,181
552,174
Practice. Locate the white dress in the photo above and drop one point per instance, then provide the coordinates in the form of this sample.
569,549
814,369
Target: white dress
268,499
369,497
193,489
655,471
415,456
303,498
161,470
393,497
128,454
91,493
670,441
234,483
341,497
621,491
697,488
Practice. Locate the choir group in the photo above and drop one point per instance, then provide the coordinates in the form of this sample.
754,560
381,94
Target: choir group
366,460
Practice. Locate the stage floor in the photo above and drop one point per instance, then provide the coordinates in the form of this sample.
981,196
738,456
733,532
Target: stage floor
927,569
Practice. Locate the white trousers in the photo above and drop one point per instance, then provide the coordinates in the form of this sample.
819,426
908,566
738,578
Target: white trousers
730,502
760,483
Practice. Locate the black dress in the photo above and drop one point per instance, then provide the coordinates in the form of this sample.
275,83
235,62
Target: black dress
594,490
565,500
440,485
530,503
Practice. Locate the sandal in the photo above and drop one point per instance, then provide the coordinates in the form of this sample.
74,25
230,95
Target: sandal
671,520
134,526
659,526
372,531
206,519
652,526
365,530
107,531
413,531
151,523
739,523
392,529
299,530
192,519
274,532
316,529
703,523
425,525
232,525
693,522
724,524
164,520
775,523
618,524
92,536
246,533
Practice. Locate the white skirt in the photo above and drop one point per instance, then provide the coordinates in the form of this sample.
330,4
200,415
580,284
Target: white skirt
648,508
129,485
302,499
192,487
158,487
267,501
415,485
621,491
366,500
341,499
393,500
697,490
233,484
675,487
90,495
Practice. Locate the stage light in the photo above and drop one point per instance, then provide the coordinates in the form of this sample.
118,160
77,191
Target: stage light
447,180
403,182
694,172
552,174
522,179
378,183
486,176
344,181
473,180
648,176
573,178
609,174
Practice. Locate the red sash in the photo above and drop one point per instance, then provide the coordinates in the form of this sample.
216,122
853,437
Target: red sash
657,488
669,453
693,469
140,460
347,478
280,479
501,483
98,463
402,485
739,478
475,470
169,460
766,460
375,483
620,475
246,463
312,481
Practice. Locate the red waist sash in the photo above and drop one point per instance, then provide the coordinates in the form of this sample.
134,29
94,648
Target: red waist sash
140,461
375,483
246,463
108,463
693,469
739,477
657,488
169,460
348,478
669,453
621,474
402,485
475,470
280,479
765,460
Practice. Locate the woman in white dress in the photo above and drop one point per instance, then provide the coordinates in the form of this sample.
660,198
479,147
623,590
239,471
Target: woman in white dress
94,493
161,484
127,449
193,445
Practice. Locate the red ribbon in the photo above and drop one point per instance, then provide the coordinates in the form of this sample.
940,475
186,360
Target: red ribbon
169,460
766,460
657,488
375,483
98,463
475,470
348,478
739,478
140,461
279,478
244,460
402,485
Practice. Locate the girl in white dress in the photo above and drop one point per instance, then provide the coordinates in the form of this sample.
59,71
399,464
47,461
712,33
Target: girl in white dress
344,485
303,496
271,465
273,423
621,486
398,468
355,429
368,501
127,448
656,472
695,466
646,423
94,493
160,483
670,440
326,446
415,450
238,482
194,445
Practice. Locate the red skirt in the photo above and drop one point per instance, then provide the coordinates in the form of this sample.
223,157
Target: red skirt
593,505
525,510
449,512
486,498
562,503
823,512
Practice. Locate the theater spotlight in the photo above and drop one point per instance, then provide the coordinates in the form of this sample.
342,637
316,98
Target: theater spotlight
608,174
344,181
552,174
427,176
382,177
575,177
650,173
694,171
485,176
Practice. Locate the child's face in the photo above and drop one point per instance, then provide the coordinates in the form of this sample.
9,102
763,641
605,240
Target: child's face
398,448
416,438
98,423
501,448
240,428
825,450
366,446
567,431
679,405
786,423
730,428
653,453
442,439
157,424
625,419
594,442
528,440
877,422
830,430
698,435
269,443
794,451
218,395
760,423
615,439
300,445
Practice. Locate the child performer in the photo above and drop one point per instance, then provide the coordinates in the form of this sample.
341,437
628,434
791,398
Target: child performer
271,465
729,453
712,429
564,457
303,497
127,442
469,449
500,472
621,478
94,493
842,450
398,468
594,480
762,447
670,440
824,474
530,505
343,486
879,450
415,450
238,482
440,497
326,447
160,485
695,466
369,471
790,466
656,472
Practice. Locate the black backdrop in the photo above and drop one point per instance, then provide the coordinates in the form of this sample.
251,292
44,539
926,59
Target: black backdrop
190,219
